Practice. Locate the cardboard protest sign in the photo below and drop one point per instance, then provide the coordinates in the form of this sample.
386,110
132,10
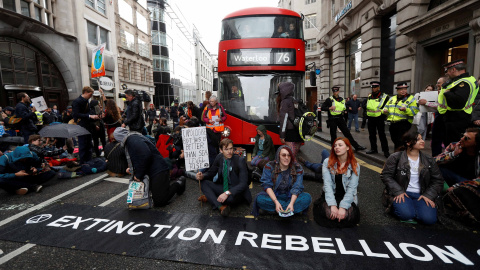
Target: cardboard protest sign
195,148
39,103
431,96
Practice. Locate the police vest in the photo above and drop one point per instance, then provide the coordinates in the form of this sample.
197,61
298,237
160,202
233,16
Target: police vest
374,105
218,126
39,117
394,112
442,102
339,106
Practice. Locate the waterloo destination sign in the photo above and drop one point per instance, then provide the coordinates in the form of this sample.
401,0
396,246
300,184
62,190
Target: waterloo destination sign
261,57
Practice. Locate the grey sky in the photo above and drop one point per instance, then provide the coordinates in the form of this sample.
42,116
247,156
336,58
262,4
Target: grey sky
207,15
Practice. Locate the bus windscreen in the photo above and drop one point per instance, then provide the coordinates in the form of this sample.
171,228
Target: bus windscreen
262,27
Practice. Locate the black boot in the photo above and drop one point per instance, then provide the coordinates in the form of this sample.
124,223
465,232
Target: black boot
182,182
257,174
372,152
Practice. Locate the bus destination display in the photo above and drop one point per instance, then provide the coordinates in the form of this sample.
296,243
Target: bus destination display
261,57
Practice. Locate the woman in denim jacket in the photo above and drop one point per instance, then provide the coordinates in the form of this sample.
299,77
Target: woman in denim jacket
338,205
282,182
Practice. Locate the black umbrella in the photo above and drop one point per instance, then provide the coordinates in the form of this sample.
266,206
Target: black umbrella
63,131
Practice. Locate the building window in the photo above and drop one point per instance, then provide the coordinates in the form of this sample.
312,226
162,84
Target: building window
142,23
37,13
310,1
156,13
159,38
353,65
161,63
127,40
129,71
25,8
310,21
125,11
143,48
97,35
333,8
10,5
143,3
310,45
99,5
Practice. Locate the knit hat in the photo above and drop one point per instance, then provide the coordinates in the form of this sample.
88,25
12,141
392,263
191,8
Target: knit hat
120,134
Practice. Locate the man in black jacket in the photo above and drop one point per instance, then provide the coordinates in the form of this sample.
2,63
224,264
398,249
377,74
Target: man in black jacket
29,118
81,115
229,188
150,114
144,159
134,113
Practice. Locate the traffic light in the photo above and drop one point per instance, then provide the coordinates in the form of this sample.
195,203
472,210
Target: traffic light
313,78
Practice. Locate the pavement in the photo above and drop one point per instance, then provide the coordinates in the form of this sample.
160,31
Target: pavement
362,138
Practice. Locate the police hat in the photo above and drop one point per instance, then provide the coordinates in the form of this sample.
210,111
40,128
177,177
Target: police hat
452,64
374,84
175,101
402,85
335,89
69,107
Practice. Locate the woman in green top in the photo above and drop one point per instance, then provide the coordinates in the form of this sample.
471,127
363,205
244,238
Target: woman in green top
264,151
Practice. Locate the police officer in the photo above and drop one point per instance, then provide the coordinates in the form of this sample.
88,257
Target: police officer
335,106
455,100
400,109
376,120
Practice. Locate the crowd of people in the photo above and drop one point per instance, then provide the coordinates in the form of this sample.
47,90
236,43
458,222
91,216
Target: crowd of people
140,143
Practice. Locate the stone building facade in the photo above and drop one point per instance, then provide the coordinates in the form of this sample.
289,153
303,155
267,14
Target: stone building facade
393,41
134,43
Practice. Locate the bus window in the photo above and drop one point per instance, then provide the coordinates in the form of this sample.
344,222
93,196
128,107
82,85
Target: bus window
262,27
252,97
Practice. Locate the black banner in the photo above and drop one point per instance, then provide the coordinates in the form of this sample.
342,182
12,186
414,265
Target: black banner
241,242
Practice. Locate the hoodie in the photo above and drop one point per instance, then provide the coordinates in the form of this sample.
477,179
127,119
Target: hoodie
9,164
287,108
268,148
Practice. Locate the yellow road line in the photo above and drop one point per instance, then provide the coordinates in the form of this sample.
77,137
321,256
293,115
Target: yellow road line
361,162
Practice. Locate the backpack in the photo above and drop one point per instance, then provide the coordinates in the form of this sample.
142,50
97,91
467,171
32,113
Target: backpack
146,97
305,121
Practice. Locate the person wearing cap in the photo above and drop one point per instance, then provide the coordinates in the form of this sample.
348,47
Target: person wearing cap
456,99
335,106
376,101
400,109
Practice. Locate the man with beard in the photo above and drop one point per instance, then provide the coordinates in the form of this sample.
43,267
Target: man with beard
23,110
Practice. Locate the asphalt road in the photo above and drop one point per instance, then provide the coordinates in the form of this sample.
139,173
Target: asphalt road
100,191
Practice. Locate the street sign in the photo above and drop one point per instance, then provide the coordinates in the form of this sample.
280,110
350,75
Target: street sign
106,83
98,63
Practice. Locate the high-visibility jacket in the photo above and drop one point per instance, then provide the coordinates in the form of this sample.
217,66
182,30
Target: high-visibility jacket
39,117
394,112
374,105
219,125
339,106
442,102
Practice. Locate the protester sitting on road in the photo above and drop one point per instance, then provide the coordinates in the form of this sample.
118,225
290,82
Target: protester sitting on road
412,181
230,187
49,117
263,151
317,168
35,145
144,159
21,171
338,205
460,161
462,200
193,110
115,158
154,126
282,182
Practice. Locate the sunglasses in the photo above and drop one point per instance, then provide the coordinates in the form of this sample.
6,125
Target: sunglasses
285,155
466,138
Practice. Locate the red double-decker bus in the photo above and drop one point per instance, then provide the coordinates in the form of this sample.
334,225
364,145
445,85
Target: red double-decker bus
259,48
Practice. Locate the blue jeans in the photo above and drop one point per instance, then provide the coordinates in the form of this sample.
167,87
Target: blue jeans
352,116
451,177
413,208
302,202
317,167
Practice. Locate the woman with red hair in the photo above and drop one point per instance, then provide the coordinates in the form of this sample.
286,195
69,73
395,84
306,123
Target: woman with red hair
338,205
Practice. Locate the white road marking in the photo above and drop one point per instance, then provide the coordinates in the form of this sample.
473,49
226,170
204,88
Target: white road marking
360,162
114,199
117,180
52,200
15,253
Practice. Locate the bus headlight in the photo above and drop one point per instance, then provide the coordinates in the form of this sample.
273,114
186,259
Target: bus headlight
226,132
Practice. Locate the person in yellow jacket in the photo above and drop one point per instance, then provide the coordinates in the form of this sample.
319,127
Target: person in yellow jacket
376,101
400,109
456,99
39,119
335,106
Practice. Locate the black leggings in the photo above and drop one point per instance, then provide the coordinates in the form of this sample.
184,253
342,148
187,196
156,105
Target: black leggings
161,189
